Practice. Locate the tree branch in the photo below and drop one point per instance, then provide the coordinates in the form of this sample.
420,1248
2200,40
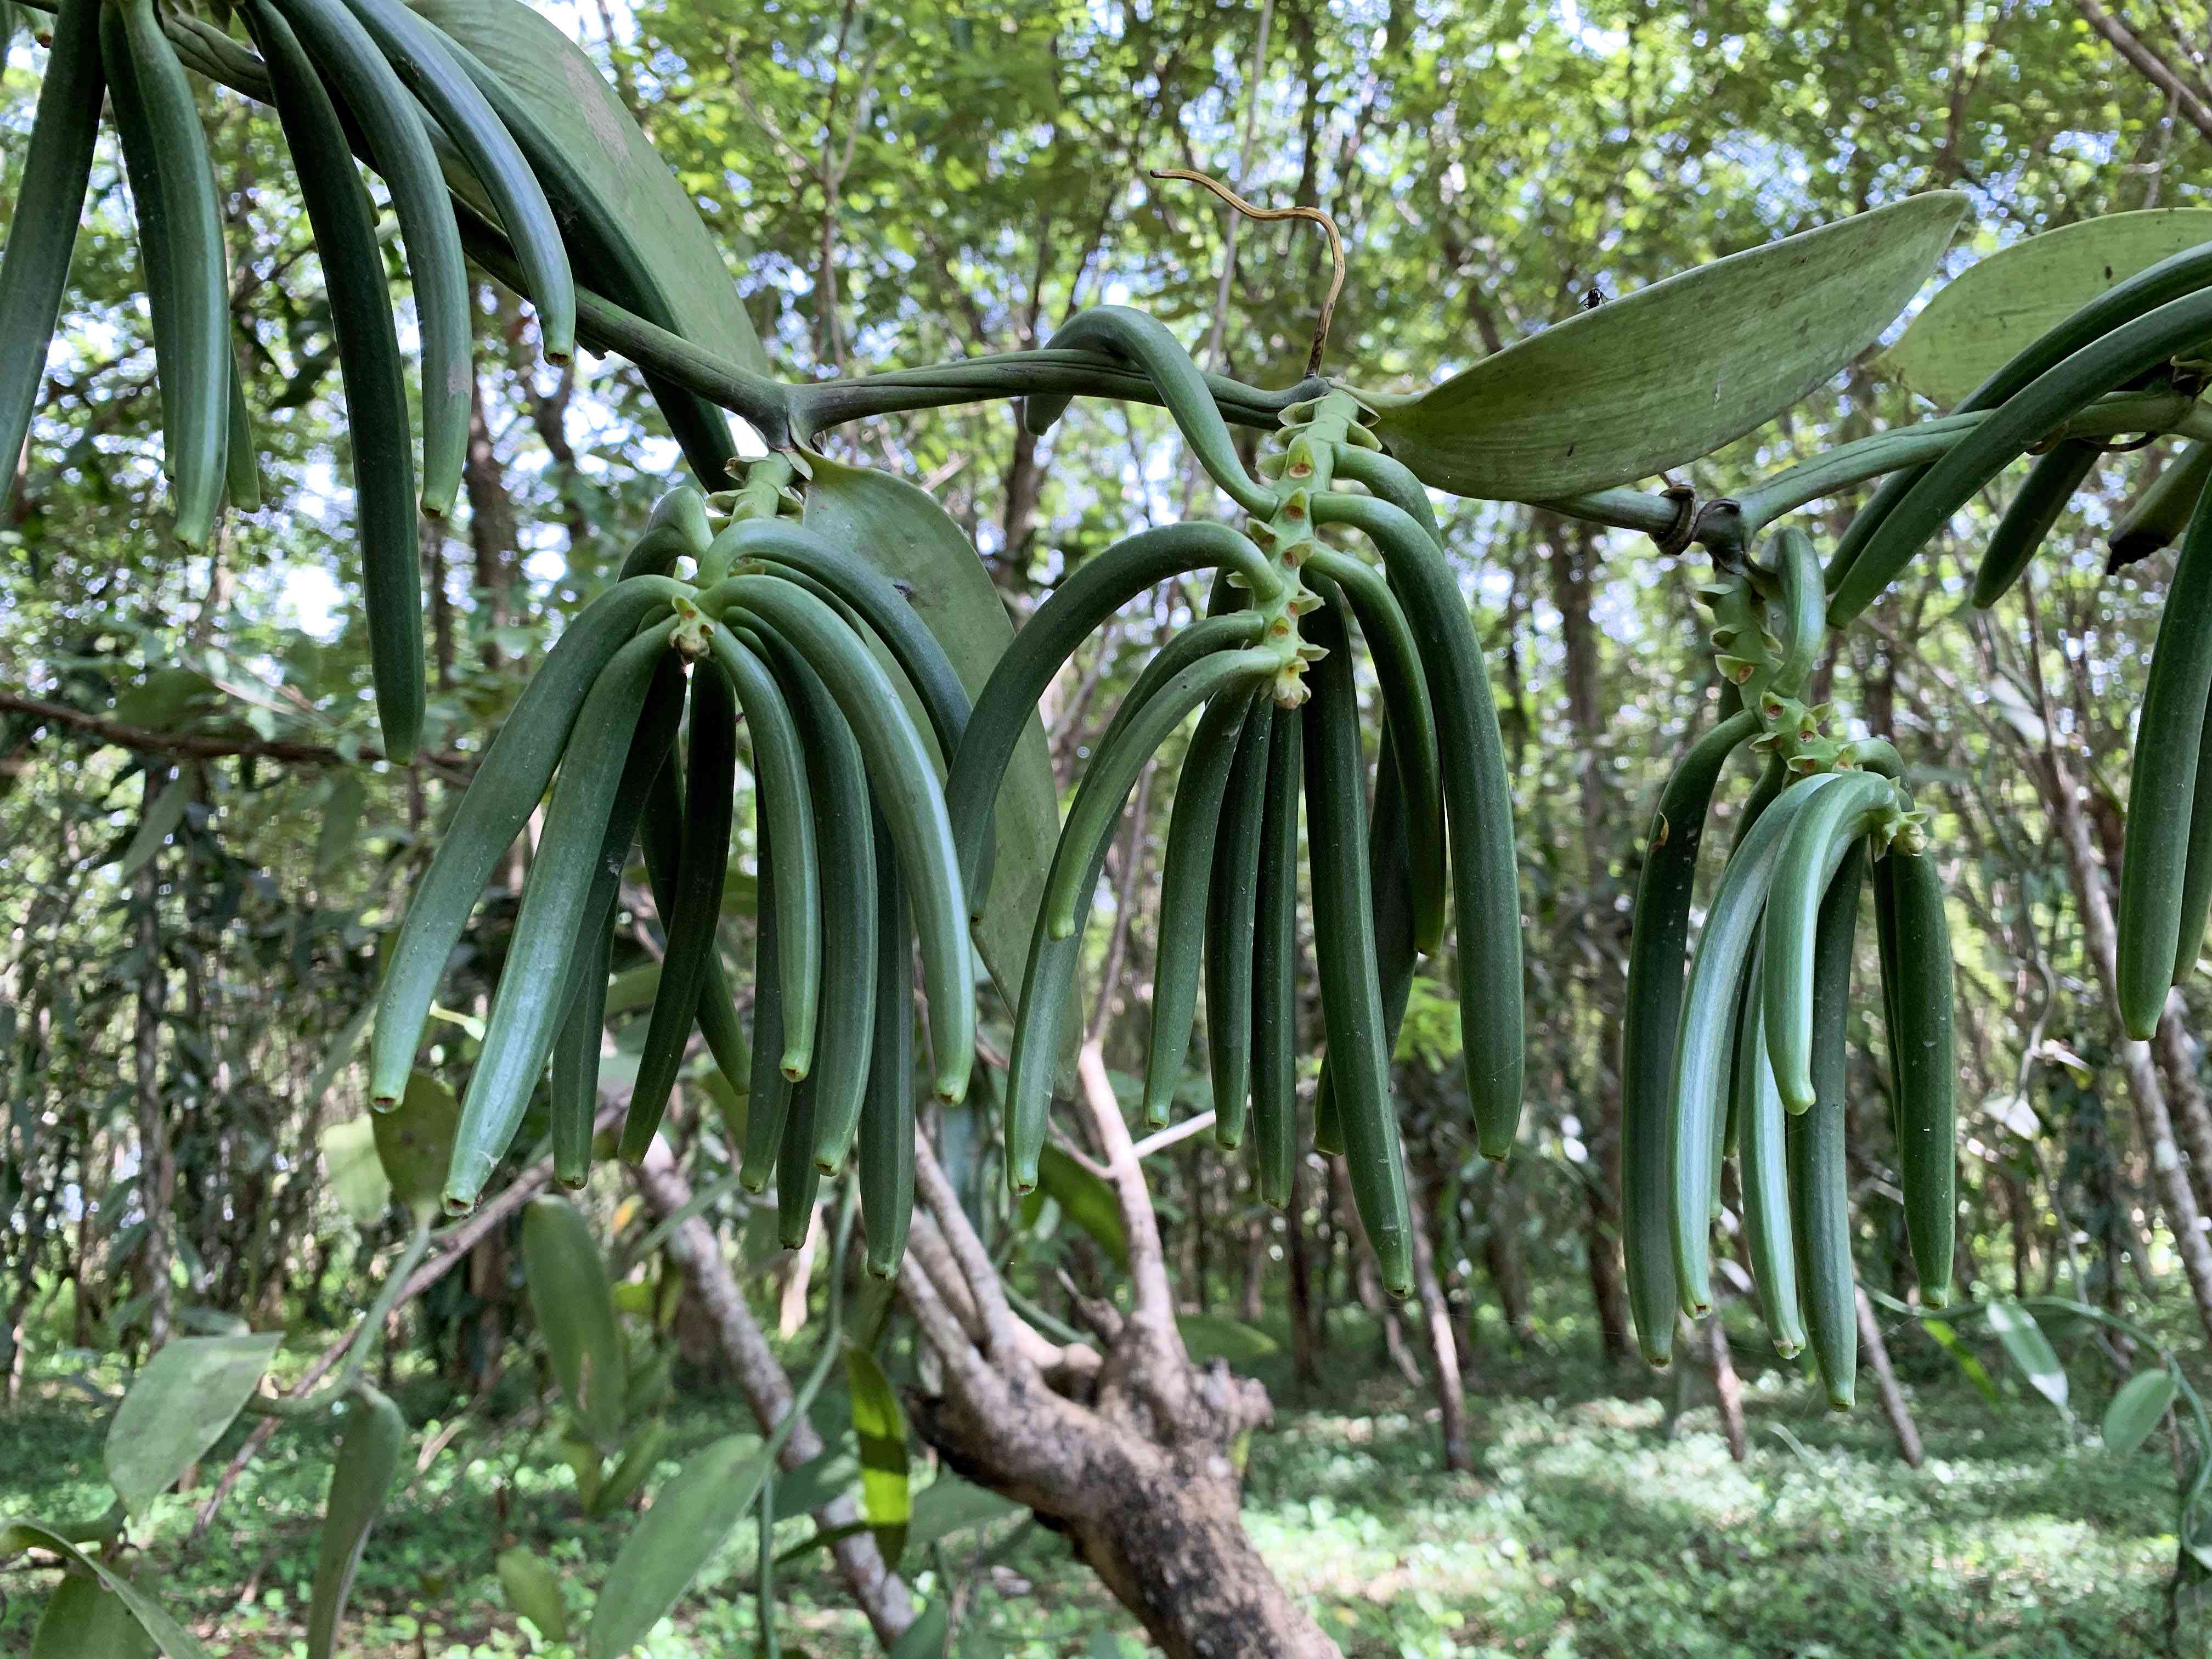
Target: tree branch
2154,68
209,745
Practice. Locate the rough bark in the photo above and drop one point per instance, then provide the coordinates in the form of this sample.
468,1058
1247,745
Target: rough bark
1125,1450
1884,1378
879,1592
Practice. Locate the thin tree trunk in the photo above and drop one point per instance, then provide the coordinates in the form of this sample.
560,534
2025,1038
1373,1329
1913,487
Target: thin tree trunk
1884,1378
1251,1301
157,1166
2062,801
1728,1388
879,1592
1306,1328
1444,1351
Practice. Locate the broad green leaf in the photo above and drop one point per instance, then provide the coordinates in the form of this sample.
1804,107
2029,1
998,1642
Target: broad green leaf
554,79
415,1141
629,991
812,1484
880,1425
174,1640
730,1101
690,1518
1084,1198
1978,322
1975,1372
908,537
925,1638
178,1406
161,819
369,1449
576,1310
85,1620
1671,372
352,1170
2135,1409
1216,1336
533,1589
2030,1350
949,1505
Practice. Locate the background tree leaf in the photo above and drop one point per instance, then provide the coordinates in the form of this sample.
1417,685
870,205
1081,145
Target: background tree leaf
879,1426
85,1620
1085,1200
533,1589
174,1640
1993,309
161,819
1217,1336
691,1517
353,1168
414,1140
2135,1409
178,1406
1672,371
575,1309
2030,1350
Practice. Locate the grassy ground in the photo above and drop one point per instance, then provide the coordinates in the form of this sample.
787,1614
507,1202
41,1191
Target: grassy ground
1584,1533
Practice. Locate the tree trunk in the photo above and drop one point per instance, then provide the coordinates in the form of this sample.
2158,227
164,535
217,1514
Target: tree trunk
1892,1397
1573,561
1444,1351
157,1166
1305,1316
1727,1388
1124,1449
1251,1302
2062,801
1501,1257
879,1592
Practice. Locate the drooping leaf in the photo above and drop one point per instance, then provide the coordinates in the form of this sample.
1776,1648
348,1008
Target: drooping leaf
353,1171
85,1620
1084,1198
369,1449
880,1425
829,1473
949,1505
910,538
174,1640
415,1141
2135,1409
925,1638
691,1517
1216,1336
1969,1364
1671,372
533,1589
2030,1350
575,1309
178,1406
160,821
551,76
1977,323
